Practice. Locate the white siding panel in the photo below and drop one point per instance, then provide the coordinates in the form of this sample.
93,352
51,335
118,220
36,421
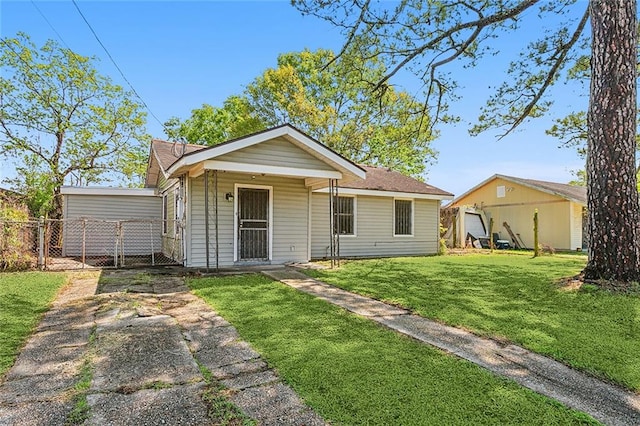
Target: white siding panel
375,229
277,152
99,231
290,211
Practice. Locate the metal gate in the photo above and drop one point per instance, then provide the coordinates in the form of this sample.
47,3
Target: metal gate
253,224
84,243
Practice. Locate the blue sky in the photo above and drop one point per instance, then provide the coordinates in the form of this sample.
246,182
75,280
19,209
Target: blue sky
179,55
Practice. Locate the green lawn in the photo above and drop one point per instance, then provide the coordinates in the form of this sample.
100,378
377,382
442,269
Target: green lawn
24,297
513,297
352,371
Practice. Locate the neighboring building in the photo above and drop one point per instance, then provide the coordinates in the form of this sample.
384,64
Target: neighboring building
264,198
514,200
93,215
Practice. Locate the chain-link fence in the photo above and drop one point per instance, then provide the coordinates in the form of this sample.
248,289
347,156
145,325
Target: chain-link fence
18,245
86,243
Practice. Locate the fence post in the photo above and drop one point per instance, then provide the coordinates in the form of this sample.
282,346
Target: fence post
84,242
41,242
536,249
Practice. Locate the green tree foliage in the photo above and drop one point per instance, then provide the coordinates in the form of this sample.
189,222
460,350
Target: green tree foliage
210,125
64,123
336,108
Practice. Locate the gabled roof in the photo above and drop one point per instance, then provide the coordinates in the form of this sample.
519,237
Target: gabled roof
577,194
196,155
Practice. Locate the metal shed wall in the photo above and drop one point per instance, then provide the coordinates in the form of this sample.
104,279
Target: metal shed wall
102,213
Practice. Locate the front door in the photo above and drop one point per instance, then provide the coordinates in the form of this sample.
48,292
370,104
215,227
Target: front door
253,224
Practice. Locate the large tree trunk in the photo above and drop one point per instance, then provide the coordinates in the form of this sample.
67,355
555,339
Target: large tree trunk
612,196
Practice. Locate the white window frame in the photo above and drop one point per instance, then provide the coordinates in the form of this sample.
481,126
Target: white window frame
355,216
413,222
177,209
165,213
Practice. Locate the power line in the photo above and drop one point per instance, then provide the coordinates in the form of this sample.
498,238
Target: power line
49,23
116,65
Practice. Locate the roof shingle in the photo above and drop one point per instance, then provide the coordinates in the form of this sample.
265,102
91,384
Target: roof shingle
572,192
384,179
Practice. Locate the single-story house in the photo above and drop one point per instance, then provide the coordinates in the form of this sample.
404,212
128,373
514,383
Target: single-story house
265,198
513,200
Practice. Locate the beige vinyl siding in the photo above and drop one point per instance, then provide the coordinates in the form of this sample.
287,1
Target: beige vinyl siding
375,227
276,152
576,226
553,223
290,218
103,212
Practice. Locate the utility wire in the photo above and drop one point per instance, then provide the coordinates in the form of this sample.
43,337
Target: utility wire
116,65
49,23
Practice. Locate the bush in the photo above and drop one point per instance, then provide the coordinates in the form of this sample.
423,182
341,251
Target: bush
18,237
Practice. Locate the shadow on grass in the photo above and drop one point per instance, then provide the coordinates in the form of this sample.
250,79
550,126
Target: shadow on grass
512,298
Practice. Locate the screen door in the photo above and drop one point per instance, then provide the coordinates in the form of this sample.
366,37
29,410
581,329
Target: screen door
253,224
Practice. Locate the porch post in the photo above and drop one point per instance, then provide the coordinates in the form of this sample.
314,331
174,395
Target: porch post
215,207
206,216
331,218
337,213
334,223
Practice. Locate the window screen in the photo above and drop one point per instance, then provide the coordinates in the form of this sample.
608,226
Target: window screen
403,217
344,219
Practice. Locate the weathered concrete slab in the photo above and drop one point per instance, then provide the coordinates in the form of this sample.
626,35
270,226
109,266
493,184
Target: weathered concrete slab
233,353
38,359
250,380
179,405
355,303
207,337
233,370
50,413
275,404
37,388
132,353
76,315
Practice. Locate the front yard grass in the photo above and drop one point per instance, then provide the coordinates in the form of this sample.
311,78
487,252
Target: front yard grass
511,297
24,297
352,371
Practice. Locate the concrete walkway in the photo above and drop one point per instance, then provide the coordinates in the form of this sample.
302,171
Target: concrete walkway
607,403
144,343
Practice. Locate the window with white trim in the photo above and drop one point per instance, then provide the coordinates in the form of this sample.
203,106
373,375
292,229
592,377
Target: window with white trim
403,217
177,210
165,214
345,209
